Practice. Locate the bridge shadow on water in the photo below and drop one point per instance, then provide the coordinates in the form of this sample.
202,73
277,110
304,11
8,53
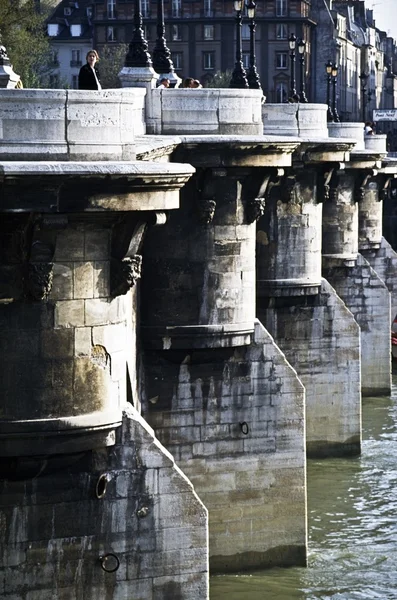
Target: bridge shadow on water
352,507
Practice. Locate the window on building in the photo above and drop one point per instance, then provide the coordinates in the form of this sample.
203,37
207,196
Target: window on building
54,81
281,92
208,32
281,8
76,58
145,8
52,29
67,11
54,58
111,34
111,5
89,12
177,59
176,33
208,10
75,82
146,32
281,31
246,60
245,31
208,60
176,8
75,30
281,60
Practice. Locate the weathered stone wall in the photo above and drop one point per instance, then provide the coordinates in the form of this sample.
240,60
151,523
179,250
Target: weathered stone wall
63,337
288,238
220,394
321,340
199,273
206,111
70,124
368,298
234,421
55,532
384,263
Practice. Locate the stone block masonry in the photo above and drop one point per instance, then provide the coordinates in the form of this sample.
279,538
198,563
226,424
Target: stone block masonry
321,340
368,298
234,420
384,263
111,523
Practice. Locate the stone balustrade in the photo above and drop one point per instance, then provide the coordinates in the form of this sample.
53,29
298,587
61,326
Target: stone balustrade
302,120
207,111
70,124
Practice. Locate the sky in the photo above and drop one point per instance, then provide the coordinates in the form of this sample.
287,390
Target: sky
385,14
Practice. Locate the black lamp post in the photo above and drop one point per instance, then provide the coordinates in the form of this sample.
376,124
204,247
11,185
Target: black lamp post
334,74
252,73
162,62
301,50
364,79
239,76
138,55
328,70
292,46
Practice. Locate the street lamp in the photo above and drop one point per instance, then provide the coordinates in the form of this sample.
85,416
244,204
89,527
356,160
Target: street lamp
252,73
334,74
162,62
292,45
138,55
328,70
364,79
301,50
239,76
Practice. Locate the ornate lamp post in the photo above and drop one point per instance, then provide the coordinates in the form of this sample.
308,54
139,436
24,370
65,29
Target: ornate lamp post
328,70
162,62
364,79
334,74
252,74
301,50
292,46
239,76
138,55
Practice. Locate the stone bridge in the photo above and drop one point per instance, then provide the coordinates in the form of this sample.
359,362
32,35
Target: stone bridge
195,293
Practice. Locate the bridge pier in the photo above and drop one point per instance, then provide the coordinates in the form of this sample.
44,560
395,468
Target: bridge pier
221,396
359,286
308,320
92,505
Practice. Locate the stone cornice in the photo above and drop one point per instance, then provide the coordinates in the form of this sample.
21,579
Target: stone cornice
86,187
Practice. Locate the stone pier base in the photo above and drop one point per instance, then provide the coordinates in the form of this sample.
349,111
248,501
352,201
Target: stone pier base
119,523
367,297
321,340
233,418
384,263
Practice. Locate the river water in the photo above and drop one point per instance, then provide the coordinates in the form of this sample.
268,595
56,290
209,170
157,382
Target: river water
352,507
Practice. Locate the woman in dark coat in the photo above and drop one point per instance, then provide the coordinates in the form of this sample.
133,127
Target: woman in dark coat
89,78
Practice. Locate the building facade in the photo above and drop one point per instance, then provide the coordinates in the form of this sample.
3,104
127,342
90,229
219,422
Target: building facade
201,35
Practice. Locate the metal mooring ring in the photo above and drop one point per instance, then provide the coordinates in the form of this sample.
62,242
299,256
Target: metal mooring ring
109,562
101,485
244,428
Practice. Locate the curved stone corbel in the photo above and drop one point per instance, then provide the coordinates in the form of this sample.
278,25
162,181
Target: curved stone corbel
126,261
384,191
287,191
256,191
361,182
325,185
205,197
38,280
124,273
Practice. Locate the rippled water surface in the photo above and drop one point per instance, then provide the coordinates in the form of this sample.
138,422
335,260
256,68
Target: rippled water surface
352,525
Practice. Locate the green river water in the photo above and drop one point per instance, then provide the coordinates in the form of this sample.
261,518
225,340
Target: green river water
352,507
